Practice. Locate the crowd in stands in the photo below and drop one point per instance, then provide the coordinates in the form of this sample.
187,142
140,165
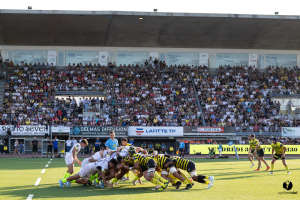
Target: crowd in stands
150,94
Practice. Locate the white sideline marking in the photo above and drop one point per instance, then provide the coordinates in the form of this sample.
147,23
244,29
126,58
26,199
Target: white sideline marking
37,182
50,159
47,165
43,171
30,197
49,162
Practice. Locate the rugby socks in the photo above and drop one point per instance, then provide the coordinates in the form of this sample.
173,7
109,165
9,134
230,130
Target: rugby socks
127,175
64,180
157,182
252,161
74,181
287,168
93,177
186,178
272,167
136,178
68,175
65,175
201,179
158,177
114,180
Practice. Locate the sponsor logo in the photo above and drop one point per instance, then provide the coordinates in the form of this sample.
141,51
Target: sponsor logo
139,131
76,130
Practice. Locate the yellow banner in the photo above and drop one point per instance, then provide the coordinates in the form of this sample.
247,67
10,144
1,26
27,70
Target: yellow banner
241,149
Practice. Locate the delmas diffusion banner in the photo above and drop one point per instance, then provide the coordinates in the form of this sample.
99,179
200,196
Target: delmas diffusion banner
241,149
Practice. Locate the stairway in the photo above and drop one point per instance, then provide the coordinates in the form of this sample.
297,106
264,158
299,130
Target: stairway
2,89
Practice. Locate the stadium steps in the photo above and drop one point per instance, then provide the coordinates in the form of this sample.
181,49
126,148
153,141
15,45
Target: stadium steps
2,91
198,101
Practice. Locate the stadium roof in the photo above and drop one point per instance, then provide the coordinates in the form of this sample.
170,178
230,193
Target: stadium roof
156,29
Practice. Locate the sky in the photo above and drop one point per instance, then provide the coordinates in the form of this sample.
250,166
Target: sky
266,7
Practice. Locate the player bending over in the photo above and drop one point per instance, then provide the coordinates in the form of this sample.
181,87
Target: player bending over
148,166
190,167
84,174
279,153
71,157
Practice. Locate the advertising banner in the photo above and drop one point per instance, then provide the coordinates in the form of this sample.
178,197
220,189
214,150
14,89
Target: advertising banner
98,130
24,130
203,59
103,58
293,132
51,57
58,129
155,131
194,130
241,149
253,60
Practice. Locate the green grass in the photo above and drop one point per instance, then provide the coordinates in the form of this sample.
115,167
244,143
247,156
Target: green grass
234,179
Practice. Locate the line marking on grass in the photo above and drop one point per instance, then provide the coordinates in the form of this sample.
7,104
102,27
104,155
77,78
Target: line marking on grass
43,171
47,165
49,162
37,182
30,197
50,159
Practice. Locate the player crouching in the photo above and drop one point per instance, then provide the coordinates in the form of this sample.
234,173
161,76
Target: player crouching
84,174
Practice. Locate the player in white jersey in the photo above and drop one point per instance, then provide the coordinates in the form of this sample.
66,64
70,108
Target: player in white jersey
84,174
97,156
71,157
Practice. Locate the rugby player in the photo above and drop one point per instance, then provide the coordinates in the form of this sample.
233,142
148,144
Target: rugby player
280,150
84,174
252,144
148,166
259,151
165,164
71,157
190,167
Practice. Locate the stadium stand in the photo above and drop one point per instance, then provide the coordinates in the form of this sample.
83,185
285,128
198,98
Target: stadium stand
149,95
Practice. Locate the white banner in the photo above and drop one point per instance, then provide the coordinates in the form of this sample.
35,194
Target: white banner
154,55
155,131
203,59
24,130
56,129
253,60
103,58
293,132
51,57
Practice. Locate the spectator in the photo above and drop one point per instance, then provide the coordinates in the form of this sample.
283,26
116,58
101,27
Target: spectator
198,141
82,149
8,132
158,147
91,149
55,147
97,145
163,148
34,147
150,147
69,144
2,143
144,145
131,142
111,143
192,141
74,142
16,146
21,148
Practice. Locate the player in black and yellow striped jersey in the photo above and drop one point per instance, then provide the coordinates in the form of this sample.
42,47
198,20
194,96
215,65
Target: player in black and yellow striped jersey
252,142
124,164
190,167
279,153
165,165
259,152
148,166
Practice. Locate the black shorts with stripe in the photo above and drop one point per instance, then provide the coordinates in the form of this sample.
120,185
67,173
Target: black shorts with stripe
261,153
277,156
191,166
151,164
